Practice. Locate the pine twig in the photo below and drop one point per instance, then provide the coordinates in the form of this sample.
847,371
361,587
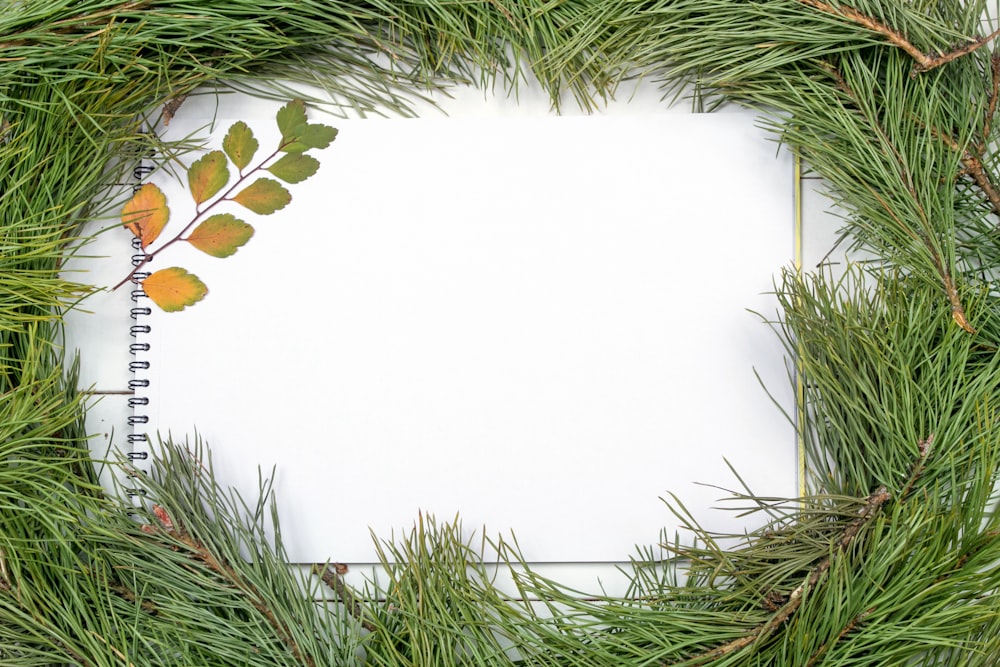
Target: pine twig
201,553
954,54
73,23
924,62
966,556
954,300
972,163
924,447
991,106
974,168
875,501
854,622
331,574
891,35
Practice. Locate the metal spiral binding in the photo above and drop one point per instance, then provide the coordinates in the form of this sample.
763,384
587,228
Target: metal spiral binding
138,438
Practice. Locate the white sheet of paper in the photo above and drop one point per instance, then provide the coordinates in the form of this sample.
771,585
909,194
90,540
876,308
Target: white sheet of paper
538,323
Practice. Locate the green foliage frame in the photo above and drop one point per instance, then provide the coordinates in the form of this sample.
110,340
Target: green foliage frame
891,559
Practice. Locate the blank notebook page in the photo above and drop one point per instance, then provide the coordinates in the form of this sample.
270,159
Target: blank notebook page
537,323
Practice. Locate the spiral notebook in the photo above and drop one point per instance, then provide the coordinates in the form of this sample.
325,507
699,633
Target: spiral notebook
541,325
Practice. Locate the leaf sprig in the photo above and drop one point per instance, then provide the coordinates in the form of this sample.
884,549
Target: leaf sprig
146,214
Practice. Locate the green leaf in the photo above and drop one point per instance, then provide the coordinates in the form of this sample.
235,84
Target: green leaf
317,135
220,235
207,176
146,213
294,167
240,144
174,289
264,196
291,117
314,135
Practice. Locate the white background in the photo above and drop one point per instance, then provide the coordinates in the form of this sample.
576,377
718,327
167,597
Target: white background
560,400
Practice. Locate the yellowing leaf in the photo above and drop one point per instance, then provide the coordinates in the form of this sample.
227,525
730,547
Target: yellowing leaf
174,289
240,144
264,196
220,235
294,167
290,118
146,213
207,176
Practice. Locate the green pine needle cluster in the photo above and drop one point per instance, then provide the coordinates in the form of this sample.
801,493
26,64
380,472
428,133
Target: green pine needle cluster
891,559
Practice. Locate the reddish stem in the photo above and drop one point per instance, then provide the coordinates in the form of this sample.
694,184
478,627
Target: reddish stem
199,213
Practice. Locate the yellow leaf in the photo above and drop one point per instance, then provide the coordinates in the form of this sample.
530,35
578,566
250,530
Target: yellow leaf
146,213
208,175
264,196
174,289
220,235
240,144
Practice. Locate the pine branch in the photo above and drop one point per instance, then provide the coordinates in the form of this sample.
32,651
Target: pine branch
936,61
924,62
73,24
891,35
874,502
227,573
939,263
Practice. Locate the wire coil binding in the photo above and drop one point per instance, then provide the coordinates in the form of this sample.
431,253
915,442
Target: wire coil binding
139,365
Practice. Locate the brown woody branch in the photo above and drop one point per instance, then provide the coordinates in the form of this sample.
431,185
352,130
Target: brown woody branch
954,54
924,61
924,448
873,504
331,574
974,168
972,165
